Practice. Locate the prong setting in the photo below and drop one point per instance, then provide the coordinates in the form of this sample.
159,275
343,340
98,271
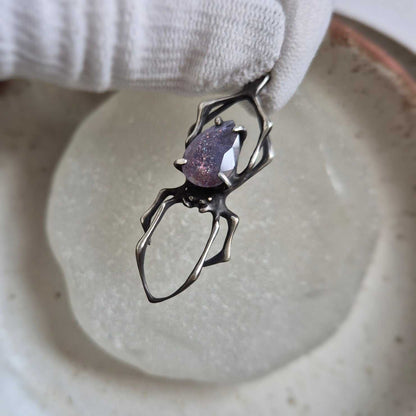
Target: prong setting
218,121
225,179
178,163
239,129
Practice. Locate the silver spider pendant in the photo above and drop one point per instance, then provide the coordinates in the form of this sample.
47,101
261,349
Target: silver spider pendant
210,168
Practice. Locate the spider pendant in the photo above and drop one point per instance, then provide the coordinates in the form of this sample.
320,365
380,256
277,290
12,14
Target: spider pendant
210,167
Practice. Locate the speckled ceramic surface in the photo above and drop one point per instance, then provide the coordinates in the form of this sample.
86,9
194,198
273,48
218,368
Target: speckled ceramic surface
48,366
307,232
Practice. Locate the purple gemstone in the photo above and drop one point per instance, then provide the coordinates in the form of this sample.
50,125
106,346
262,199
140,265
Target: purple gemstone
213,151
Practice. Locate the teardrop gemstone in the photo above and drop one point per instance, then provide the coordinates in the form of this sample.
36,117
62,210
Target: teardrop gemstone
214,150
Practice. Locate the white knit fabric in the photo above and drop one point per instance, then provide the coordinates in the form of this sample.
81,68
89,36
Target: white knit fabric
190,46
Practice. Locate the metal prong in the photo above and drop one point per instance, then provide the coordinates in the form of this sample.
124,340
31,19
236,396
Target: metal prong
218,121
241,131
224,179
178,163
238,129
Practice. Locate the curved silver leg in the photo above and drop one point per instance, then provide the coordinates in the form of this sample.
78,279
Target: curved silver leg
144,241
146,218
265,129
225,253
205,113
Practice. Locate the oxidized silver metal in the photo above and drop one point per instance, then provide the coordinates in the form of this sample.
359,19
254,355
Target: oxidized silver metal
209,199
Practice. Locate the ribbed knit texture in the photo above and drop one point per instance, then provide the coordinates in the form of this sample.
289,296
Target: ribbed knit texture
185,45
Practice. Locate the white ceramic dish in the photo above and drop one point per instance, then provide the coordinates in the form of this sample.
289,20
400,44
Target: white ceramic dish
49,367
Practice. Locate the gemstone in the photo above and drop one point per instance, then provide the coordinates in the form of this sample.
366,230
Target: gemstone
214,150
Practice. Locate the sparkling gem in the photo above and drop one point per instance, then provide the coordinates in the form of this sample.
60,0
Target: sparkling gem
214,150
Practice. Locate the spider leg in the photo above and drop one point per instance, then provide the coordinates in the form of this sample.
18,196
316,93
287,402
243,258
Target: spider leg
225,253
208,110
161,196
143,242
265,129
266,158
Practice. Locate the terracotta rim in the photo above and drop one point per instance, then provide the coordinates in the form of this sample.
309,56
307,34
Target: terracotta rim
344,35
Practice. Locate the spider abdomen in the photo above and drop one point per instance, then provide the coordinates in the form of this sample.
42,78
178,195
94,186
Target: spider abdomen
213,151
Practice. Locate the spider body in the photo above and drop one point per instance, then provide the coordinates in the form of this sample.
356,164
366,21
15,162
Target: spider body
211,175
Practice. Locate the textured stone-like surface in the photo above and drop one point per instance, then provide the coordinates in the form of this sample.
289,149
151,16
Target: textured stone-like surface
306,234
214,150
40,339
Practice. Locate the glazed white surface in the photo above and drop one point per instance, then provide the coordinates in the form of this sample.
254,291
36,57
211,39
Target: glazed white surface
50,367
308,226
